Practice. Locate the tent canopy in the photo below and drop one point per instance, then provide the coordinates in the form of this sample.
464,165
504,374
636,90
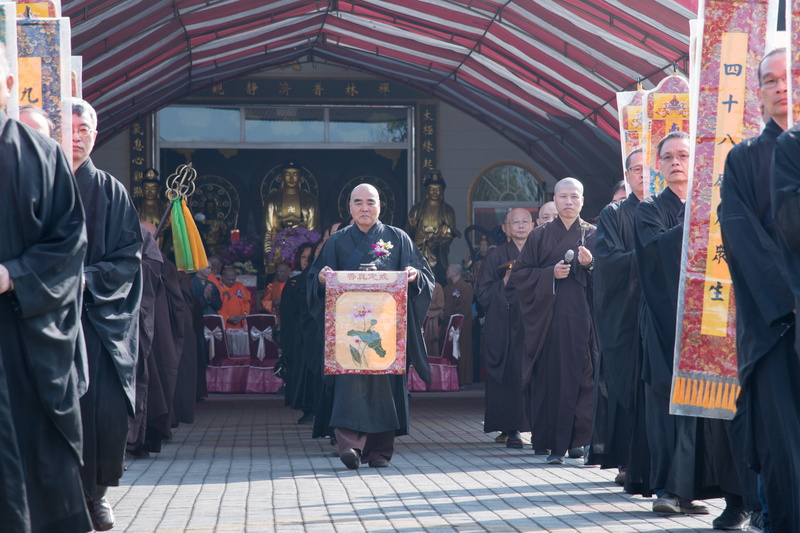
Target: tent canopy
543,73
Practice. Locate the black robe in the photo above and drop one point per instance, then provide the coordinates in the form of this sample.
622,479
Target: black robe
560,345
786,207
375,403
298,336
151,286
506,404
185,397
616,298
42,245
689,456
110,322
764,326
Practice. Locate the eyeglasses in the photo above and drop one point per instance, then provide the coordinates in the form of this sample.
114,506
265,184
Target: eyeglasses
83,131
771,83
669,158
636,169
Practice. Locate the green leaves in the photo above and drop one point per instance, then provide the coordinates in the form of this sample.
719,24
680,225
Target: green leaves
371,338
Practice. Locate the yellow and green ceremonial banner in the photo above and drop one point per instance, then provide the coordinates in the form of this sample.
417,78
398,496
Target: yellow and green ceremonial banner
666,109
793,59
705,375
8,37
629,108
366,322
44,50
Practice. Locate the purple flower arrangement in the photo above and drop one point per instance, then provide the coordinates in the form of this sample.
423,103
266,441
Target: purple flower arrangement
288,241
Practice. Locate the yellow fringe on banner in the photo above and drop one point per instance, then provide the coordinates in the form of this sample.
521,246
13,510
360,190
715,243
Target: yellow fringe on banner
705,393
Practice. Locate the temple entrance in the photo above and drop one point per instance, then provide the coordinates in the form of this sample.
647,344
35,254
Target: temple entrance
239,180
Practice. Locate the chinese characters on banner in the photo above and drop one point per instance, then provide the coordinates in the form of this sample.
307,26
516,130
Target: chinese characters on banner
666,109
366,322
428,147
45,78
705,376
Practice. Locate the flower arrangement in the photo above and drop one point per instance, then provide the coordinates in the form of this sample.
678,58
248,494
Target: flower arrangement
380,250
286,243
241,254
366,337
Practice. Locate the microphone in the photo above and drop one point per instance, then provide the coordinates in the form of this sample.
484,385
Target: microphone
569,256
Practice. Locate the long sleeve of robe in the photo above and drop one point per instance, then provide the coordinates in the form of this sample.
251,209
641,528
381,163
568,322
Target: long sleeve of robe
505,403
43,245
659,237
375,403
112,269
786,204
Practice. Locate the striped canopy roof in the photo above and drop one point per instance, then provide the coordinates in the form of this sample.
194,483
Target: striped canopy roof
543,73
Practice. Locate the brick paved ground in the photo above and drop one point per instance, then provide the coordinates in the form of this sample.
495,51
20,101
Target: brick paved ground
246,466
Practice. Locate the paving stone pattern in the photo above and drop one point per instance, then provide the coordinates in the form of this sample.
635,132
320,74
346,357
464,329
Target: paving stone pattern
247,466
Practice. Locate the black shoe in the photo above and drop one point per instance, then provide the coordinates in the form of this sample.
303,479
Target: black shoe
307,418
554,459
541,452
514,440
575,453
351,458
378,463
756,522
731,519
101,514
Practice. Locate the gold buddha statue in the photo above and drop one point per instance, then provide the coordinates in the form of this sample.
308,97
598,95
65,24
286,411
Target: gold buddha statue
432,224
213,229
288,207
150,206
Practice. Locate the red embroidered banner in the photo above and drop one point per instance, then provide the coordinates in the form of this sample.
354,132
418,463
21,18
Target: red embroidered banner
793,63
365,322
666,110
705,376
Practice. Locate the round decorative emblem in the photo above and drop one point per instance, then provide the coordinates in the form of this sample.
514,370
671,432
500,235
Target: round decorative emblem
385,190
221,191
273,177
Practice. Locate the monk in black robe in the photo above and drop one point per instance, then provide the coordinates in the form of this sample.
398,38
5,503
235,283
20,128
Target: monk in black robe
559,339
110,316
617,298
368,411
151,286
767,361
506,405
41,260
690,457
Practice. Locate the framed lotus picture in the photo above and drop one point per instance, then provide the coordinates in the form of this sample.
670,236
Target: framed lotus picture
365,322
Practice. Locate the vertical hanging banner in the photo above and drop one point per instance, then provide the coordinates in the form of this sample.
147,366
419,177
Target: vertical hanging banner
8,37
39,8
793,63
76,65
45,78
629,108
666,109
705,375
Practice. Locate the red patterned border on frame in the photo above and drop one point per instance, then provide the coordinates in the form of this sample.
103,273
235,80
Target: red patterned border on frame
705,377
360,287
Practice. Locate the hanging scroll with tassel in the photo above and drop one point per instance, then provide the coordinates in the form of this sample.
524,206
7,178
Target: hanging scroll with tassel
666,109
629,107
705,375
